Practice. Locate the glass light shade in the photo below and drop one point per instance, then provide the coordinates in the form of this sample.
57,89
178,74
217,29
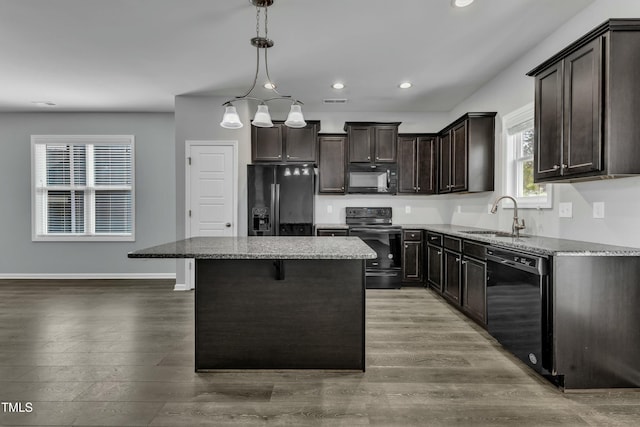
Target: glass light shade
231,120
262,118
295,119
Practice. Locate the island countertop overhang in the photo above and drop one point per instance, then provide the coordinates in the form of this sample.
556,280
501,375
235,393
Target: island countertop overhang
263,247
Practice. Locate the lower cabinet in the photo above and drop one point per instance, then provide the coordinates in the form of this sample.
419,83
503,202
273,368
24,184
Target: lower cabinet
452,268
474,286
412,256
457,269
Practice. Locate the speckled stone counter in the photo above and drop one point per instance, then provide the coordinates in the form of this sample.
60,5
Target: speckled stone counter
534,244
261,248
276,302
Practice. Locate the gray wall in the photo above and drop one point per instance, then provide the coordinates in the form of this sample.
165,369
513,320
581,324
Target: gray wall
512,89
155,196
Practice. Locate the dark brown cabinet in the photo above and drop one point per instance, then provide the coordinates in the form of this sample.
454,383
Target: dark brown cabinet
412,256
452,269
371,142
587,100
474,281
283,144
417,164
331,163
434,262
466,154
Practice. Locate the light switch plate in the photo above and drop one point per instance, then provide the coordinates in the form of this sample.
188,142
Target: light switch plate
565,210
598,209
407,209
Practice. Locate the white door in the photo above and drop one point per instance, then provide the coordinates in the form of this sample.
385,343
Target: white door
211,192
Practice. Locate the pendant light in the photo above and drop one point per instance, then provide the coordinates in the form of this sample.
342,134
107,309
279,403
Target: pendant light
262,118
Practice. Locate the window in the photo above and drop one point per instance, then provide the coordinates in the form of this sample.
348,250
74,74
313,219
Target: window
518,128
82,188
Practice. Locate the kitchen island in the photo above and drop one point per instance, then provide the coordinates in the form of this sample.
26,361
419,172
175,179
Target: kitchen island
276,302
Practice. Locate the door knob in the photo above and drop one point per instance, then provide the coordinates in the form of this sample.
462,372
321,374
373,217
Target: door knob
228,224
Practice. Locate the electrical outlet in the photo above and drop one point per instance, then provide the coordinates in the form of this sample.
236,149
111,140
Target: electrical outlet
458,209
329,208
565,210
407,209
598,209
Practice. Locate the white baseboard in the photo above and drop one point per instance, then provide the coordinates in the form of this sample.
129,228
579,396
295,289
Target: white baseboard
91,276
181,287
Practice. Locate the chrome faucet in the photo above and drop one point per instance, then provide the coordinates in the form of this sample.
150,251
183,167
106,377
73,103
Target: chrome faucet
517,225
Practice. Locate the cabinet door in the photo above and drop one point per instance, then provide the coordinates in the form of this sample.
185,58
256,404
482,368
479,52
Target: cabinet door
426,177
474,274
407,165
548,124
434,267
266,144
411,260
452,270
444,162
300,143
359,144
386,138
331,152
582,150
459,157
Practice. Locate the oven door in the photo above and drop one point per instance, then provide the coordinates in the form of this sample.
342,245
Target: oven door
385,271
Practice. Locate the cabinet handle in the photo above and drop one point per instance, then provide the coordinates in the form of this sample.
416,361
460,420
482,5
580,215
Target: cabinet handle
406,246
377,158
439,252
555,167
279,156
288,156
457,259
464,262
342,188
418,188
368,157
414,188
565,166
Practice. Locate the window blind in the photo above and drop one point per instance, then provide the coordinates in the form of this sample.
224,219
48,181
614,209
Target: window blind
83,186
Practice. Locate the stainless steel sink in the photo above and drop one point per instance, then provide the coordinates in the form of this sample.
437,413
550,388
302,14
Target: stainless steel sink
492,233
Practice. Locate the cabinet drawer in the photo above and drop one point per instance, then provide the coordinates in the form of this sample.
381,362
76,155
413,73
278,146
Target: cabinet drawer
412,235
453,243
474,249
331,232
434,238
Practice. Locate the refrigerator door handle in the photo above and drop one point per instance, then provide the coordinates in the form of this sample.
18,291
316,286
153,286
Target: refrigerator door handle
272,211
276,203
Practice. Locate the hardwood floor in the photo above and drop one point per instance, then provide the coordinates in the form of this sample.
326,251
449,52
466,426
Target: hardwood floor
121,353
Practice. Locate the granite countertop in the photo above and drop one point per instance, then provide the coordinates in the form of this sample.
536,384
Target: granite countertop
266,247
534,244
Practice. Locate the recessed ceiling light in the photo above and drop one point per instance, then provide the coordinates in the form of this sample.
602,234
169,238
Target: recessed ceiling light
338,85
405,85
461,3
43,103
269,85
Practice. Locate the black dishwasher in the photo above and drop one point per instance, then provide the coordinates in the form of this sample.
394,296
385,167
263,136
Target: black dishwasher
519,306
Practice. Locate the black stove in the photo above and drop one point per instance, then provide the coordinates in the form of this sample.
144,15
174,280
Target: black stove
375,227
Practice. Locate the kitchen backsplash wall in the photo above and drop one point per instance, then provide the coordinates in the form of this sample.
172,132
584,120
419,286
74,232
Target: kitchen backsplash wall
406,209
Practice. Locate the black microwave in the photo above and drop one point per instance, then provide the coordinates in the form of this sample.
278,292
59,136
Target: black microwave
365,178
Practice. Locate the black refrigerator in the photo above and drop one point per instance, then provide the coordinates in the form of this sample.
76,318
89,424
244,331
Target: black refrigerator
281,199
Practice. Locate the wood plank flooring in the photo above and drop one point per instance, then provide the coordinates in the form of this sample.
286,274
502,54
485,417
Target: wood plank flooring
120,353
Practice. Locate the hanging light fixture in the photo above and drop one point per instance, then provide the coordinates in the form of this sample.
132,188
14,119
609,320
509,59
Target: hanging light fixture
262,118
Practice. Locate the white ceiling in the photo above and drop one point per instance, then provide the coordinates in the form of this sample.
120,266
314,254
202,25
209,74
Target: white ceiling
137,55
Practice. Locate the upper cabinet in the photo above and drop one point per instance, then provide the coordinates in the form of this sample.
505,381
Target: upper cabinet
466,154
284,144
417,163
587,100
331,163
372,142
